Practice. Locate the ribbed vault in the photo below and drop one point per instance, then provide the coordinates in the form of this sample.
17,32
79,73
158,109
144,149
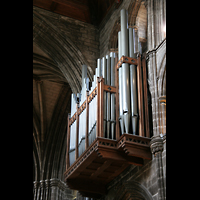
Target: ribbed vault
61,49
57,65
51,105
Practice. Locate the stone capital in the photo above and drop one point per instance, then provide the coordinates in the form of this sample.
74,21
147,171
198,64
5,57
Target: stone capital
35,183
47,182
42,183
156,144
54,182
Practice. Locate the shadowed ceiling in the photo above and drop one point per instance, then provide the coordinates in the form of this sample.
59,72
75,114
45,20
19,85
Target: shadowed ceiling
90,11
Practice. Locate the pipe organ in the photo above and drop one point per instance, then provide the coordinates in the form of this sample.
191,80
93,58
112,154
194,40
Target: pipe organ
106,129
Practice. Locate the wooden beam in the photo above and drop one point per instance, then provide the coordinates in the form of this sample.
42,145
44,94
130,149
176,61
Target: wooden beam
53,6
98,109
87,121
73,3
140,97
145,97
126,59
80,164
86,185
92,95
109,88
101,133
114,154
105,165
68,144
137,151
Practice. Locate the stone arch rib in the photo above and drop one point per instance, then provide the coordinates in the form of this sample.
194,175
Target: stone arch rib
61,49
113,41
56,133
132,190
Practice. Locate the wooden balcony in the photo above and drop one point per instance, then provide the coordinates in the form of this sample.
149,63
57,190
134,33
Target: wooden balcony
104,158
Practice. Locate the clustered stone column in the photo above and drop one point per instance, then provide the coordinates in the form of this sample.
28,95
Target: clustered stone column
51,189
156,146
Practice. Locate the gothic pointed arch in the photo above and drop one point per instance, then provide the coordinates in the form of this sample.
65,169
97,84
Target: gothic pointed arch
137,18
113,41
132,190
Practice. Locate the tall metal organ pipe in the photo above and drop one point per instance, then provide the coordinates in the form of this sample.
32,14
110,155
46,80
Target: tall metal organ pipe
104,74
125,69
84,74
112,97
133,81
98,67
82,116
108,95
121,119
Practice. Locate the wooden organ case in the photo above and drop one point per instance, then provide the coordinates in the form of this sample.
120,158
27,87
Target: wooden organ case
98,150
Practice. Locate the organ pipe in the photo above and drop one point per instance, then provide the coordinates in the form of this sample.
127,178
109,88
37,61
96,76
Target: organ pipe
104,74
84,74
112,97
108,96
133,80
125,71
98,67
121,119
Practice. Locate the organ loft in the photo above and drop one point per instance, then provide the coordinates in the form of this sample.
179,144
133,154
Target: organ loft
99,100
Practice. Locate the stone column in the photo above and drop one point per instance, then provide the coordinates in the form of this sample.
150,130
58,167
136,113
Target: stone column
54,188
47,188
42,188
156,146
35,185
38,191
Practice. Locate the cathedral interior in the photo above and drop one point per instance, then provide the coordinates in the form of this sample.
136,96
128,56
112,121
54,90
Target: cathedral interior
70,36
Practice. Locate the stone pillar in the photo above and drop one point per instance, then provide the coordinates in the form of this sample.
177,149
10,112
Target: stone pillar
156,146
54,188
42,191
51,189
156,15
38,191
47,188
35,188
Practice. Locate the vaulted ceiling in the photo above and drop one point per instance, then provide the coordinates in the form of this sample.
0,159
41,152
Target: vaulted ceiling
51,103
90,11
